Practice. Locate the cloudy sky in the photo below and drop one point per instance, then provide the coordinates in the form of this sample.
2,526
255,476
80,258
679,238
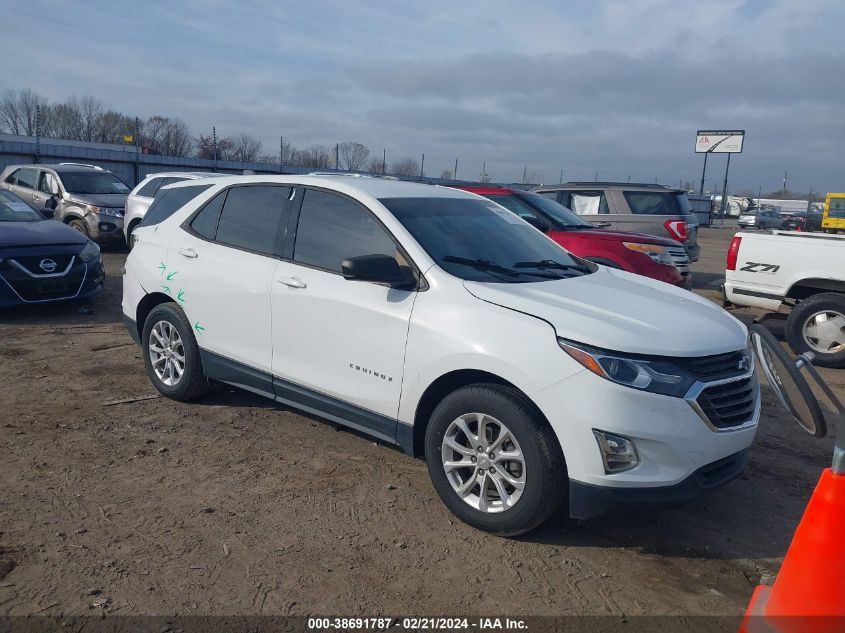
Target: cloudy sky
614,87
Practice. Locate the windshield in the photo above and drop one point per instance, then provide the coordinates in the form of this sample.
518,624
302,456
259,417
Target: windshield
477,240
13,209
658,202
98,182
837,208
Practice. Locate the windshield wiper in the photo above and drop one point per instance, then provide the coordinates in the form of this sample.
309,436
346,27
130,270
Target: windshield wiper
483,264
546,264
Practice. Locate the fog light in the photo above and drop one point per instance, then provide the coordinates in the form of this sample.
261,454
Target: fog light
617,453
107,226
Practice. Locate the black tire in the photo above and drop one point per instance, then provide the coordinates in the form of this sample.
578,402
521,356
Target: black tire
546,481
832,301
193,382
80,225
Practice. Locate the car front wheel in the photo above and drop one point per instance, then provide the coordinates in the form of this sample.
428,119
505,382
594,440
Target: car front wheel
171,354
494,461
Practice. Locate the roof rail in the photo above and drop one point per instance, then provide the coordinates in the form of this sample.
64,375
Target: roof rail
348,174
586,183
83,165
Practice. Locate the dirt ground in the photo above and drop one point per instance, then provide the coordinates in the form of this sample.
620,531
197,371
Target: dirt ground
235,505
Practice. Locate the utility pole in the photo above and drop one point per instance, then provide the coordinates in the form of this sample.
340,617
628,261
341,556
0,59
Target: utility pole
560,182
784,184
483,170
384,161
37,132
725,188
422,167
214,147
759,194
455,174
281,152
337,156
524,173
137,150
597,177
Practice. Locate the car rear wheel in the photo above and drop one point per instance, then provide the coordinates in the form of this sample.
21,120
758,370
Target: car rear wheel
817,325
79,225
494,462
171,354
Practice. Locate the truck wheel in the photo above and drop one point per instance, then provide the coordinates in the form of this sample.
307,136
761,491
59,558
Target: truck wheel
817,325
496,464
171,354
79,225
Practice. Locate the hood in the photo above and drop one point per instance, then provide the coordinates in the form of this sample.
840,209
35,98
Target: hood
621,236
37,233
100,199
619,311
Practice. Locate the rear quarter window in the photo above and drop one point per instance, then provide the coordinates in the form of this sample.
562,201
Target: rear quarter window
657,202
169,202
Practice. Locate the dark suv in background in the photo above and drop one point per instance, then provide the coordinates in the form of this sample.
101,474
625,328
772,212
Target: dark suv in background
88,199
634,207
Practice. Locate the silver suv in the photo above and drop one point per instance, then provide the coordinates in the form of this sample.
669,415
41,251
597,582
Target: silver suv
639,208
86,198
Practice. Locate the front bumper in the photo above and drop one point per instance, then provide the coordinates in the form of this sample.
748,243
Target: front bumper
20,285
672,440
104,228
587,501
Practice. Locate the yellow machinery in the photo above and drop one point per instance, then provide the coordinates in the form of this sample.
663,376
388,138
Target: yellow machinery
833,218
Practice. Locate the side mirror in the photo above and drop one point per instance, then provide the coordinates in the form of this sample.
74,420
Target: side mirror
379,269
537,223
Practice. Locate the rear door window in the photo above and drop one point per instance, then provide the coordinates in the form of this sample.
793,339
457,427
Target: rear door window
149,189
169,202
588,202
251,217
28,178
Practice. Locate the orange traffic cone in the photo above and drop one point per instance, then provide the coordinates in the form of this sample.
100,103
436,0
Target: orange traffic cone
809,593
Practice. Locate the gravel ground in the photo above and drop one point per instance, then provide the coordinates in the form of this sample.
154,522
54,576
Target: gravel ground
235,505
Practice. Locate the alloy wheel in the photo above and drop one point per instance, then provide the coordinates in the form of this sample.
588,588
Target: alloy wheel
824,332
483,462
167,353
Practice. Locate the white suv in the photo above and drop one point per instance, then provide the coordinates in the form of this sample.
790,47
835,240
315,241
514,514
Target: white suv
434,319
142,196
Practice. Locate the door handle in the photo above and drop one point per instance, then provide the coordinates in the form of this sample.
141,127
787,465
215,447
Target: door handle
293,282
188,252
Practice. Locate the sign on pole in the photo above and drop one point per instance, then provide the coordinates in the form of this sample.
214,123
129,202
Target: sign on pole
719,141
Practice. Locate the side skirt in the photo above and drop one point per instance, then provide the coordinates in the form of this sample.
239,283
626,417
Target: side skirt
237,374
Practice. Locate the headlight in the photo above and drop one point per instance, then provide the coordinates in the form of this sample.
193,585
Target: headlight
659,254
90,251
656,376
105,211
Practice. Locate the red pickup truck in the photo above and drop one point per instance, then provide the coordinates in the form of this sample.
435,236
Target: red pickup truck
656,257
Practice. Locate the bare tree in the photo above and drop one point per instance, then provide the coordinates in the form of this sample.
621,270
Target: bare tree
63,120
113,126
205,147
91,110
19,110
316,156
246,148
352,156
376,165
168,136
446,174
405,167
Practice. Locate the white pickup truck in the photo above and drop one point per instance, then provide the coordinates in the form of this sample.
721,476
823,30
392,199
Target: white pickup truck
802,272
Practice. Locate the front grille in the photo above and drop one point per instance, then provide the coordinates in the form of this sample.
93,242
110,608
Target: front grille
718,366
730,404
680,258
33,263
33,289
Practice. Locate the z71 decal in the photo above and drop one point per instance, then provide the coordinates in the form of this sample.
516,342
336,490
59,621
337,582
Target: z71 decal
755,267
